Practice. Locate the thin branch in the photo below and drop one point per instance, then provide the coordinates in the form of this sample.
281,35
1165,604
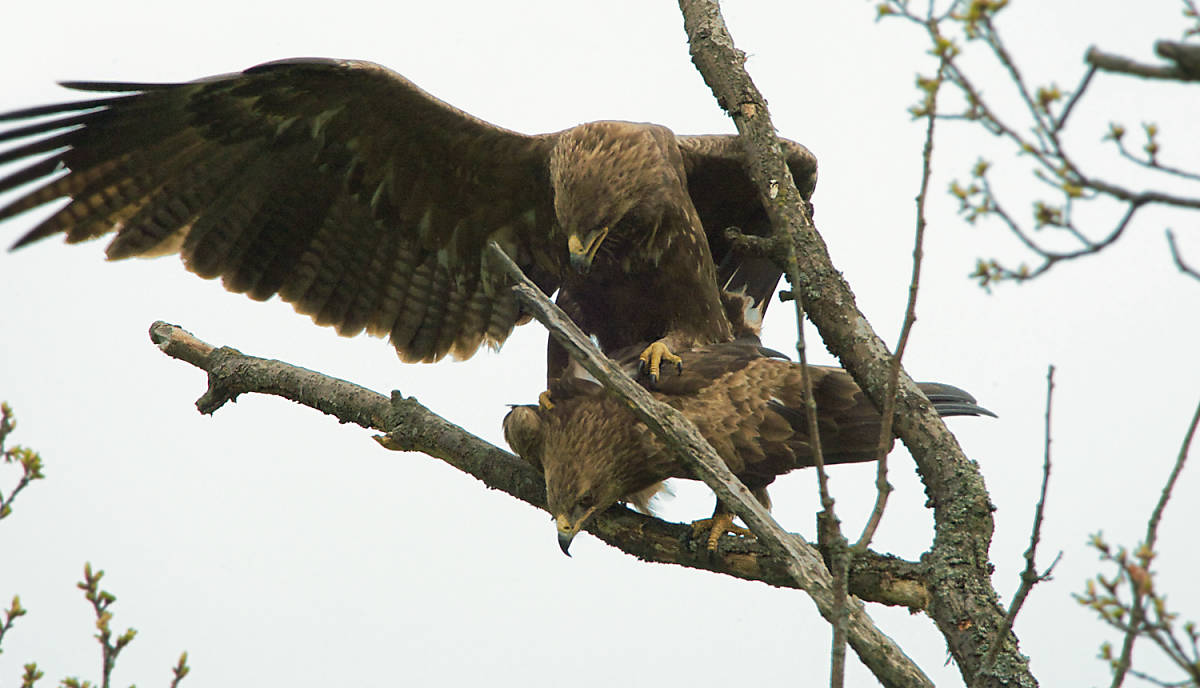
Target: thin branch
1156,516
1154,165
1137,608
1053,160
14,612
1040,117
883,488
1178,257
1061,122
829,532
180,670
1030,577
412,427
1051,258
1040,138
1186,683
1193,14
1140,197
101,600
30,461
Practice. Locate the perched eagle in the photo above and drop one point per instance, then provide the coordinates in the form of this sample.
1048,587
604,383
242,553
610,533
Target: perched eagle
747,402
367,204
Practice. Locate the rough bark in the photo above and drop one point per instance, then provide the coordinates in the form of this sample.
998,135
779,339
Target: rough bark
1185,58
409,426
964,604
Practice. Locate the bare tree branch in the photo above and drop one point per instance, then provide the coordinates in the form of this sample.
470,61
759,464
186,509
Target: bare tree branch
1186,56
1178,257
1030,576
1139,578
1169,487
14,612
829,531
1150,161
964,604
1037,130
412,427
883,488
1118,64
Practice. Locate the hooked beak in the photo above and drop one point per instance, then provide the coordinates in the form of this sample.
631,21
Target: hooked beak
583,252
564,542
568,530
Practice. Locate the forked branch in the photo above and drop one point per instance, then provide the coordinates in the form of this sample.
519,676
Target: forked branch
964,602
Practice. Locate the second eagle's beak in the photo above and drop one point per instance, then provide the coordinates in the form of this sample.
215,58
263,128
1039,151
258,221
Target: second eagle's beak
583,252
564,542
566,533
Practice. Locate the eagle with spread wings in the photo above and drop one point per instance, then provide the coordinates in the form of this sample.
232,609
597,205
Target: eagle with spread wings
747,401
365,202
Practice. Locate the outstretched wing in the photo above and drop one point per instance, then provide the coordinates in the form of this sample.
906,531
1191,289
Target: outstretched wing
338,185
725,197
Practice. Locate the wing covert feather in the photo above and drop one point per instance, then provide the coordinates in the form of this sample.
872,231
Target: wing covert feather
724,196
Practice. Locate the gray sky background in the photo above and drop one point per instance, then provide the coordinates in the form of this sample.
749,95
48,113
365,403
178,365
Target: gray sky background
278,547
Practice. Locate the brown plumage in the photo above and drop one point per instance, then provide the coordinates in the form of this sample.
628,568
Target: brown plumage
745,400
365,202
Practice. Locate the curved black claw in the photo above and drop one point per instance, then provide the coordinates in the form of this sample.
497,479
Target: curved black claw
652,358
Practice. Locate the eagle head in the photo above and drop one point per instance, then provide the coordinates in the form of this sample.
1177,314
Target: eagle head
614,182
592,454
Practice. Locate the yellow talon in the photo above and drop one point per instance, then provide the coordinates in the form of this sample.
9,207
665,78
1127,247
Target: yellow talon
544,401
717,526
652,358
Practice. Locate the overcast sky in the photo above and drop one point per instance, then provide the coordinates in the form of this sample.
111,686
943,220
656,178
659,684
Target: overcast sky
278,547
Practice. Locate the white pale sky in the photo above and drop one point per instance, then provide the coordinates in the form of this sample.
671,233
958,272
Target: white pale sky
280,548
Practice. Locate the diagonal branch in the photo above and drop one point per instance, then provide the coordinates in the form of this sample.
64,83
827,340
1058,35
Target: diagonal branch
803,563
412,427
964,605
1178,257
1139,624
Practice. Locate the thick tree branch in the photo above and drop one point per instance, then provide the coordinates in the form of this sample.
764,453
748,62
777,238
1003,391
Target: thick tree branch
411,426
1119,64
965,606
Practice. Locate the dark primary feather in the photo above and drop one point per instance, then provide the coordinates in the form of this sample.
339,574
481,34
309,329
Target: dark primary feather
745,400
338,185
348,191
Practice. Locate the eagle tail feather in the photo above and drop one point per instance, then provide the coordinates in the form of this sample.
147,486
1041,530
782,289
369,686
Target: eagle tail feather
949,400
